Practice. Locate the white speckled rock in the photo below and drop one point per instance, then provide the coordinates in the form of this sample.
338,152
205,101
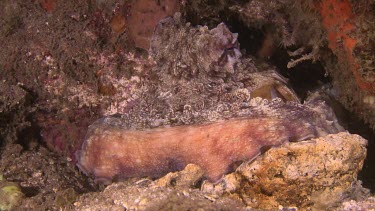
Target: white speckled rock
317,173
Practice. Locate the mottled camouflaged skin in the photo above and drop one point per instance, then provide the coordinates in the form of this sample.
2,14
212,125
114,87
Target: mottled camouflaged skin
111,151
198,108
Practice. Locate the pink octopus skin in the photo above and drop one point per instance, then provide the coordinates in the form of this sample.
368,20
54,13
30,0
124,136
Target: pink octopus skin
111,153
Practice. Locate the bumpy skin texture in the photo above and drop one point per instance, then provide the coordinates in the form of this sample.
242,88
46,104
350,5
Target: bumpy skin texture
111,151
199,77
213,51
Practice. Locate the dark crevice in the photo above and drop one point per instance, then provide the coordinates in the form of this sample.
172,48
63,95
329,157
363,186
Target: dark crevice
30,137
304,77
367,174
250,39
30,191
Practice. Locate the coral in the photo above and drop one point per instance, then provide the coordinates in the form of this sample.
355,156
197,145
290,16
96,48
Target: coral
63,65
349,35
337,18
63,84
190,176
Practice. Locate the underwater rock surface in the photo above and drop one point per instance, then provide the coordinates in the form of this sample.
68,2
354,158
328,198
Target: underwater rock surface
318,173
66,64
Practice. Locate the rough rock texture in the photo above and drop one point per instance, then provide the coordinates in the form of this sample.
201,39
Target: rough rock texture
318,174
144,195
63,69
367,204
64,65
47,181
13,109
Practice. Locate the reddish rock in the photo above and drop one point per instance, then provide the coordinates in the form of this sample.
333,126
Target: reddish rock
48,5
144,16
118,23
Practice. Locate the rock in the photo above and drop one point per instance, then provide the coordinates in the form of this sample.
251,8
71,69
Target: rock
189,177
367,204
318,173
10,194
140,196
48,182
13,108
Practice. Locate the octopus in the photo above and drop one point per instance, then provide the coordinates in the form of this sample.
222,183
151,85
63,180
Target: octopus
112,152
203,107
